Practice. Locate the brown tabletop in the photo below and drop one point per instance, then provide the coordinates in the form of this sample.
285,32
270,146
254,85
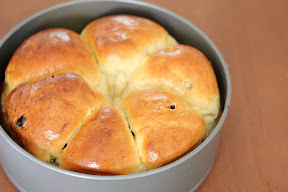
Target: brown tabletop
253,38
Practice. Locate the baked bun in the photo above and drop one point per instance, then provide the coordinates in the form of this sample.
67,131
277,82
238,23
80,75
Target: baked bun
184,71
50,52
44,115
103,145
164,125
121,98
120,43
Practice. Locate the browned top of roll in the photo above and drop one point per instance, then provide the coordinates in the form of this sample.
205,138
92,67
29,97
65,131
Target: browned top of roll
164,125
45,114
123,36
121,42
49,52
104,145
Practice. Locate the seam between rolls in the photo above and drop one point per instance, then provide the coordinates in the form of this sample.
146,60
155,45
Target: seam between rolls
80,125
134,139
95,58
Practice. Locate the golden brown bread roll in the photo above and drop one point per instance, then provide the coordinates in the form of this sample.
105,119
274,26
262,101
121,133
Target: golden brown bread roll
103,145
184,71
44,115
67,119
164,125
121,42
50,52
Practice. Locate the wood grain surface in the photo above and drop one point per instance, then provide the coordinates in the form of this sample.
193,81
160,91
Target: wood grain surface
253,38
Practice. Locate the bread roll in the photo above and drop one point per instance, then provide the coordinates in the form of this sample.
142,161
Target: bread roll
103,145
44,115
50,52
120,43
184,71
164,125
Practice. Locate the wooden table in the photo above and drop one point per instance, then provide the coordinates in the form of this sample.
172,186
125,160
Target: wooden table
253,38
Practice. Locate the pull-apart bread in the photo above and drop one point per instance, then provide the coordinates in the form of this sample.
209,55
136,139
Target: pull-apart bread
121,98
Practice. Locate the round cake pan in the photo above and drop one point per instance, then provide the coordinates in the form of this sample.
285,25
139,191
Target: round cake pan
30,174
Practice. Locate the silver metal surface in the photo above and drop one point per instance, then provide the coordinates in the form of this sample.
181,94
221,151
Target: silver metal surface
186,174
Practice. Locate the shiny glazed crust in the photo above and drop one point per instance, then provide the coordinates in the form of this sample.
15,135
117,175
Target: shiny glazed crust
121,98
104,144
50,52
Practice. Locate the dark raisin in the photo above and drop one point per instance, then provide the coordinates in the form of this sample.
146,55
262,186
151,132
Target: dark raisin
53,159
21,121
64,146
52,76
132,133
172,107
190,87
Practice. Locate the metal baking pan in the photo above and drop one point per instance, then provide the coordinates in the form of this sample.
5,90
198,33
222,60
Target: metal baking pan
30,174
